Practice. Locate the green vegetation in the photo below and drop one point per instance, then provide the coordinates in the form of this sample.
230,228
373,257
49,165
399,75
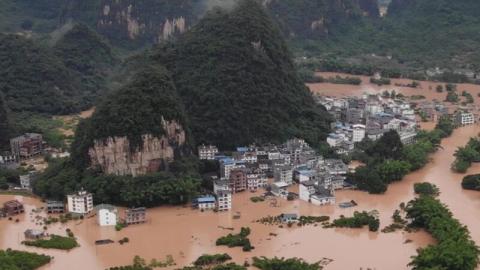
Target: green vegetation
21,260
33,79
342,80
4,125
140,264
455,250
88,55
426,188
264,263
452,97
176,187
236,240
358,220
226,109
387,160
466,155
398,223
256,199
212,259
55,242
381,81
471,182
30,122
137,109
306,220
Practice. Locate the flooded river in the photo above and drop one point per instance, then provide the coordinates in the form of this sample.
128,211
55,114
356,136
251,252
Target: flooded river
186,234
426,88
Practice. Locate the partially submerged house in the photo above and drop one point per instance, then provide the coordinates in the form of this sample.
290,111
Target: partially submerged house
135,215
13,207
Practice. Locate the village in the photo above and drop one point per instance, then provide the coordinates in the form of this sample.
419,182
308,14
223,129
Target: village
292,170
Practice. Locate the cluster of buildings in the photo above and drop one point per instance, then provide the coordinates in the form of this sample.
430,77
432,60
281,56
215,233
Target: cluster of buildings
250,168
81,204
460,115
369,116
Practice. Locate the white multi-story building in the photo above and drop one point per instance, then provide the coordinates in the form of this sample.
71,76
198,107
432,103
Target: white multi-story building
358,133
206,203
306,189
224,200
207,152
408,136
252,180
283,174
107,215
26,180
464,118
335,140
80,202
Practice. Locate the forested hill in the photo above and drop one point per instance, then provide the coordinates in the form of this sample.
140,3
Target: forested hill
134,24
300,19
32,78
136,109
89,56
235,75
4,124
433,31
66,78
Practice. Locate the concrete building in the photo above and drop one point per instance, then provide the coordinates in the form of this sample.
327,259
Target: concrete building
280,189
32,234
27,180
358,133
283,174
238,180
27,145
207,152
135,215
206,202
80,202
464,118
335,140
13,207
107,215
224,200
323,196
305,190
408,136
55,207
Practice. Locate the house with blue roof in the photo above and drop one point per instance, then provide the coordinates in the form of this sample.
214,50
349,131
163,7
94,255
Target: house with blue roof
207,202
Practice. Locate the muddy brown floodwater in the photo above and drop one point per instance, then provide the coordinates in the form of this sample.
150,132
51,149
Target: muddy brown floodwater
426,88
186,234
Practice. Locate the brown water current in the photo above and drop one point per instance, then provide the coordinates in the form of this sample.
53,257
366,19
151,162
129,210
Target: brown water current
426,88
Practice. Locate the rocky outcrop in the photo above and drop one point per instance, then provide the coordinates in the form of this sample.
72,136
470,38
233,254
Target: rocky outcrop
115,156
151,21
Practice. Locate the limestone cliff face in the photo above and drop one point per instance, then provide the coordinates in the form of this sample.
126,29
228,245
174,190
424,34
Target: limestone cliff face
114,155
144,21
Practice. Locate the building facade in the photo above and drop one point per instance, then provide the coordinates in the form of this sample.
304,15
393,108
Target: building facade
207,152
27,145
135,215
107,215
80,202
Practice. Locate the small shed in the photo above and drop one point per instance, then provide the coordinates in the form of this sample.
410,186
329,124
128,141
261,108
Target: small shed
287,218
34,234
